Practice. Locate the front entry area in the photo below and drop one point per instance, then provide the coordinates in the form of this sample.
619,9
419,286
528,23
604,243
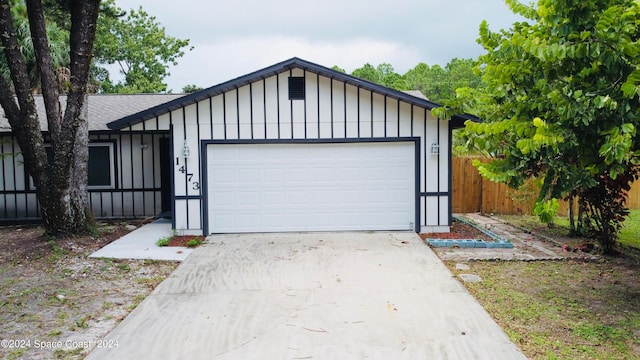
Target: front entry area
283,187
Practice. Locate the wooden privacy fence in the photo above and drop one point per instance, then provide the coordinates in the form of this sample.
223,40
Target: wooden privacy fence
472,193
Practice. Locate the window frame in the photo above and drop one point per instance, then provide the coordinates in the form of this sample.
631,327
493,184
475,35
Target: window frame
112,165
111,144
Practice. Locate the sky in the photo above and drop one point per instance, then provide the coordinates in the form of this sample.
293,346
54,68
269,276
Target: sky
232,38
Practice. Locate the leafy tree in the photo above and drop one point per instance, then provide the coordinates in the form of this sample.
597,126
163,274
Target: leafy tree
368,72
561,104
121,31
138,44
430,80
191,89
440,84
56,12
389,77
461,74
437,83
58,44
62,187
418,76
383,74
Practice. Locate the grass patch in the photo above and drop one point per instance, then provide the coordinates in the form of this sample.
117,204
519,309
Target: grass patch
563,309
151,282
630,233
124,267
16,354
55,332
67,354
82,323
136,301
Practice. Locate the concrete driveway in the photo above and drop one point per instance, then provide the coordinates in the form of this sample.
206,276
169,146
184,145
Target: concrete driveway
310,296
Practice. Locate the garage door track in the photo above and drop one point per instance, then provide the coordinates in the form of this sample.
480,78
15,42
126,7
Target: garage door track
375,295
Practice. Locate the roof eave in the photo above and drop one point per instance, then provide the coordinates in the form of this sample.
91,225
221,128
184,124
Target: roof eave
262,74
458,121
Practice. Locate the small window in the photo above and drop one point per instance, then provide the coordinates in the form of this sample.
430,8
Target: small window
100,169
296,88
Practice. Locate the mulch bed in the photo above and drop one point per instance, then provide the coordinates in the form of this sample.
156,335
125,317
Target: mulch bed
459,230
183,240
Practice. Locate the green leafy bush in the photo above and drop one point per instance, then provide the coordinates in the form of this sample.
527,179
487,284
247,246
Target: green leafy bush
546,210
195,242
164,241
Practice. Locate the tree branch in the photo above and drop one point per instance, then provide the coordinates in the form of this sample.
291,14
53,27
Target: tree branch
15,60
84,16
40,40
22,115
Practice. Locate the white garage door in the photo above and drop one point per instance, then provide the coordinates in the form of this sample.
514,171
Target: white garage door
310,187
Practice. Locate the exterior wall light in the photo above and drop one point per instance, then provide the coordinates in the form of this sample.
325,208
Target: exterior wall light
185,150
435,148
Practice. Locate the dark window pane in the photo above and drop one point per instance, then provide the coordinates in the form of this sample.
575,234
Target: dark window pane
296,88
99,166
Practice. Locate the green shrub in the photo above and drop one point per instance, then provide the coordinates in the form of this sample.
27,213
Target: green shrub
195,242
164,241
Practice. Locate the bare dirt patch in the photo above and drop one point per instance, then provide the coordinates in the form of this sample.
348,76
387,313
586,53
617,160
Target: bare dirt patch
56,302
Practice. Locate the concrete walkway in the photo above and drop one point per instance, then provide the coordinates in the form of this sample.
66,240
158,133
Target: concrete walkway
310,296
141,244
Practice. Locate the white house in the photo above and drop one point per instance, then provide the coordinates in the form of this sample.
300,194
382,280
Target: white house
292,147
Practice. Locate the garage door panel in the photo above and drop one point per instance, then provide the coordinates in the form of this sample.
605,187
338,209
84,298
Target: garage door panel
299,197
273,198
223,175
226,218
310,187
248,198
273,175
225,154
224,200
248,176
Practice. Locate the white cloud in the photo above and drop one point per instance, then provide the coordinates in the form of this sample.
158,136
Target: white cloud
221,61
232,38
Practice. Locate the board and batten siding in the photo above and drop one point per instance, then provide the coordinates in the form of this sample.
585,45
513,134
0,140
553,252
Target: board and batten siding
136,192
332,110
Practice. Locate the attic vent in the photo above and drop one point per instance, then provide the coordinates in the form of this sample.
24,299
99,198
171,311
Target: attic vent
296,88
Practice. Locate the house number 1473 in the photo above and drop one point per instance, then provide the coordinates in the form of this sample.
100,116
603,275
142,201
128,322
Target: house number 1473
195,185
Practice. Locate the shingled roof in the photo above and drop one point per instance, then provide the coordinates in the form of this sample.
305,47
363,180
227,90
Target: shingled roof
102,108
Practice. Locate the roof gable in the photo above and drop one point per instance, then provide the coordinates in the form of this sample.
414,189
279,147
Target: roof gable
293,63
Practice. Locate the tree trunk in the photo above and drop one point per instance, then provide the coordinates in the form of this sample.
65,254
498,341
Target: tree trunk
61,186
68,209
572,224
